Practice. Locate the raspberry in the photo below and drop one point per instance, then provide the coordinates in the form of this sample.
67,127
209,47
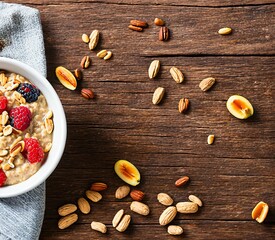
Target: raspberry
3,177
20,117
33,151
3,104
28,91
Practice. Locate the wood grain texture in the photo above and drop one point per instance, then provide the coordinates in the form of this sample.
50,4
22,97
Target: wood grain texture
230,176
185,3
192,230
193,31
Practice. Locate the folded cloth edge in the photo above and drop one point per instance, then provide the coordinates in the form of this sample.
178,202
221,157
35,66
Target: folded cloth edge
21,217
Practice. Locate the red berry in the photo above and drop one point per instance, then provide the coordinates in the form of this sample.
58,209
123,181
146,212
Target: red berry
3,104
33,151
3,177
20,117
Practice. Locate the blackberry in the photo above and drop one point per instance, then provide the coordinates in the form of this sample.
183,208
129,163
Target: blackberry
29,92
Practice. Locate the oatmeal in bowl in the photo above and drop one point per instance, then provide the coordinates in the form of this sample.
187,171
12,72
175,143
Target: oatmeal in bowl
32,128
25,130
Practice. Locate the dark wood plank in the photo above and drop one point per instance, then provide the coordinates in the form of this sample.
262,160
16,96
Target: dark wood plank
122,122
233,199
193,30
192,230
186,3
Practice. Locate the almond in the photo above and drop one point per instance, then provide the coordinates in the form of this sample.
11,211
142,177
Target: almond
122,192
98,226
84,205
67,209
137,195
94,37
187,207
154,69
168,215
165,199
135,28
139,23
176,75
124,223
181,181
117,217
140,208
66,78
174,230
195,199
99,186
158,95
67,221
183,105
93,196
207,83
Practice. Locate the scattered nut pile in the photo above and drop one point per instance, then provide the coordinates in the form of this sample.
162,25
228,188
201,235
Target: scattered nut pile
138,25
237,105
169,214
120,221
67,211
129,174
69,79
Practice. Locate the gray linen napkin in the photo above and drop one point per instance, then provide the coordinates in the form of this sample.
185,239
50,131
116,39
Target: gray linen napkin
20,27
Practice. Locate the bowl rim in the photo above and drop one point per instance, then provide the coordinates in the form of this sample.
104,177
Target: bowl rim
59,134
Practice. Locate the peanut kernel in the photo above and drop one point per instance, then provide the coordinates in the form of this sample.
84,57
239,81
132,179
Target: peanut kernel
260,211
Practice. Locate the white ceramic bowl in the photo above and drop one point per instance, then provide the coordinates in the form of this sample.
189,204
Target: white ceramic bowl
59,133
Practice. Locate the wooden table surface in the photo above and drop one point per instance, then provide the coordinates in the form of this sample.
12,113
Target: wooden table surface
231,176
